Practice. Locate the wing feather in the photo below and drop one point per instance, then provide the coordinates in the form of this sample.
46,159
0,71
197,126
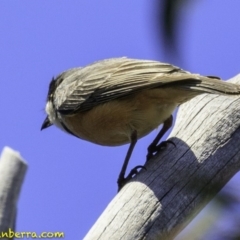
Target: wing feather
83,88
80,89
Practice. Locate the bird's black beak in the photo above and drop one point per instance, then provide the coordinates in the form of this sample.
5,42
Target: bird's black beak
46,123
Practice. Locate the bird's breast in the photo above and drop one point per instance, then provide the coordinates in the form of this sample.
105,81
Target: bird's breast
112,123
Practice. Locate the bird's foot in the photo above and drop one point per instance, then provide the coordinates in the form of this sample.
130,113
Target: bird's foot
153,150
122,181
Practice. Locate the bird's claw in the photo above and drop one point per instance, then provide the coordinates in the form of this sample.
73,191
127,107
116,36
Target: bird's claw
132,173
158,148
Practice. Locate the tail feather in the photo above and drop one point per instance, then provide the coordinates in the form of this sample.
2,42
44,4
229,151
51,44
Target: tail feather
210,85
216,86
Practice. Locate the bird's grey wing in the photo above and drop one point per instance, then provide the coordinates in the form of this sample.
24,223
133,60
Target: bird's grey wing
82,89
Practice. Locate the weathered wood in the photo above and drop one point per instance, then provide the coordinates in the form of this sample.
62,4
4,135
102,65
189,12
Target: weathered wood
179,181
12,171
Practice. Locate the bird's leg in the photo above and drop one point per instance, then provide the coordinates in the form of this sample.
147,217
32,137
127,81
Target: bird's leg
154,146
121,179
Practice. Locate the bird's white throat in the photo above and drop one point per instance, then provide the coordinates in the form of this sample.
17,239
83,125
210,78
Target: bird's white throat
53,116
50,112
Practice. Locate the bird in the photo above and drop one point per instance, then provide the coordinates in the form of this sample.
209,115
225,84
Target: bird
117,101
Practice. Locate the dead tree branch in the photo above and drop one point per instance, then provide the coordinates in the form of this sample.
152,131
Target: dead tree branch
179,181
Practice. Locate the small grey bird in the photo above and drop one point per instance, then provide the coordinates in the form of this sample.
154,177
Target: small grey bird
117,101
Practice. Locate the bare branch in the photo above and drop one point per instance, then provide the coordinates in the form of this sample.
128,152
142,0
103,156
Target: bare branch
12,171
179,181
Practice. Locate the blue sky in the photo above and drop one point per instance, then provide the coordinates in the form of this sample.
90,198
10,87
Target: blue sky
69,181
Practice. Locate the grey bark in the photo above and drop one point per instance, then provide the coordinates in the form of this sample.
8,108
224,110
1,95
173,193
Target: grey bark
159,202
12,171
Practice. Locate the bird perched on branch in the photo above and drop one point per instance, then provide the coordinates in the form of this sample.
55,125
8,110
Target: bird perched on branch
118,101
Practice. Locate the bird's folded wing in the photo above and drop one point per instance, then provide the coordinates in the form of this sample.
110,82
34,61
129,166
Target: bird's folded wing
81,89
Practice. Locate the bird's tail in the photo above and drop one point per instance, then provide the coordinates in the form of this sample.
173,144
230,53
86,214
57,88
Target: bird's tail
201,84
